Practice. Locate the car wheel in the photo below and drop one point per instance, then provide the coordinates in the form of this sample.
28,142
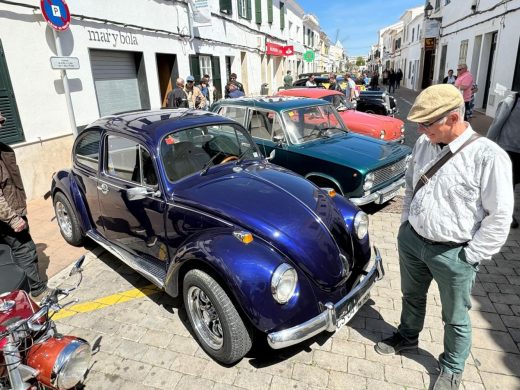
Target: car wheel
369,112
67,220
215,320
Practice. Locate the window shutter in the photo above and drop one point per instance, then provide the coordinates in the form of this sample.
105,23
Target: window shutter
249,13
282,15
240,8
195,68
269,11
258,11
217,79
226,7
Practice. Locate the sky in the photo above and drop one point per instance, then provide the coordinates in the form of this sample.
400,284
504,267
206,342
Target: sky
356,23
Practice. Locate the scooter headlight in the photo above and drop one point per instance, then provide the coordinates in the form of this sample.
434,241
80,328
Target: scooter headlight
71,364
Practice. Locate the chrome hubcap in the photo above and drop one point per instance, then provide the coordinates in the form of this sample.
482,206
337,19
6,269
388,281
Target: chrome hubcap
205,318
63,219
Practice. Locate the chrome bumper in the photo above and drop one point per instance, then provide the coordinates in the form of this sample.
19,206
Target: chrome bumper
378,195
328,319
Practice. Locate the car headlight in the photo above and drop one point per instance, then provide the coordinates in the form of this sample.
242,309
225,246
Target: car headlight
283,283
382,134
361,225
402,129
369,181
71,364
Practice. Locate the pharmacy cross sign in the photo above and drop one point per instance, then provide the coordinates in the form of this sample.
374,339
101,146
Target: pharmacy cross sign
56,13
309,56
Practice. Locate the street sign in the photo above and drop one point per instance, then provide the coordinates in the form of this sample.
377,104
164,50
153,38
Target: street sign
309,56
64,62
56,13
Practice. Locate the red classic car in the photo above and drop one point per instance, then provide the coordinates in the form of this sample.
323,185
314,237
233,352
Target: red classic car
377,126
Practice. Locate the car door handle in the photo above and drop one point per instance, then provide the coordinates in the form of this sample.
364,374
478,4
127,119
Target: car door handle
103,188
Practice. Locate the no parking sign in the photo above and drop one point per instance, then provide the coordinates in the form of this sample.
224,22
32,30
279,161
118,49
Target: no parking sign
56,13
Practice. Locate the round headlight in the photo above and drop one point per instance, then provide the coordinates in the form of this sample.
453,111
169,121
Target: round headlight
402,129
382,134
361,225
71,364
283,283
369,181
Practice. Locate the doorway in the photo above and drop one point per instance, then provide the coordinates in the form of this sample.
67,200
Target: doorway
168,72
490,68
429,61
442,67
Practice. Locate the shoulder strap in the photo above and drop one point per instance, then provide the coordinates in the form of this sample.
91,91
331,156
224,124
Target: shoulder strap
425,178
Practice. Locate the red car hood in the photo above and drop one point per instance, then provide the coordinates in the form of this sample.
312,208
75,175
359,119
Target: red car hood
372,124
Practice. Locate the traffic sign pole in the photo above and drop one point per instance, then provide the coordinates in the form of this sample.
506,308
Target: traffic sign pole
65,79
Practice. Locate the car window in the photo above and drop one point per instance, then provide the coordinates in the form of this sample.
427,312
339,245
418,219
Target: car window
236,113
189,151
149,177
87,149
265,124
312,122
123,159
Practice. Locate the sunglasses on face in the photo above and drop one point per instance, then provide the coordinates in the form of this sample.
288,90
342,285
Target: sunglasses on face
458,70
189,82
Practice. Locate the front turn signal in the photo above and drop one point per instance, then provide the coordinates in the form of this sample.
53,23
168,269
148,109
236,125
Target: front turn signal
243,237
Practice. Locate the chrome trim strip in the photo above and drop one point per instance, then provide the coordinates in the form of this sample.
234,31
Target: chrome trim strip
200,212
374,196
126,257
327,320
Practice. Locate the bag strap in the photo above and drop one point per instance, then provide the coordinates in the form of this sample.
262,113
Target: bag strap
425,177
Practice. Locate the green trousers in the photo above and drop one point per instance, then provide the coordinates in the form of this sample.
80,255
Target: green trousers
420,262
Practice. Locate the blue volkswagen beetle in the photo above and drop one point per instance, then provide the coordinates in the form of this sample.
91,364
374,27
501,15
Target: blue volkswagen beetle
186,199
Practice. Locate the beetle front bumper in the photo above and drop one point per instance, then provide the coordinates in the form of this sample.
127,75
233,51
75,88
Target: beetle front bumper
334,315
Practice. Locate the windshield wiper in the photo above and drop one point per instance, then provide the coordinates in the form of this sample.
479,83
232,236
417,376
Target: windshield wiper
243,154
208,164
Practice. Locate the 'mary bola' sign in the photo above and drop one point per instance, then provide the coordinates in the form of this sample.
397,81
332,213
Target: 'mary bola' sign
113,38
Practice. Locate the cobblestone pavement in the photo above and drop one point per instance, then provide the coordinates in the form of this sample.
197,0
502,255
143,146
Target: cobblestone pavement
144,341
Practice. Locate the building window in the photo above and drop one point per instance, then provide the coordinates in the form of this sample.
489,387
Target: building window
282,15
437,5
269,11
413,34
258,11
226,7
463,52
446,2
205,66
244,9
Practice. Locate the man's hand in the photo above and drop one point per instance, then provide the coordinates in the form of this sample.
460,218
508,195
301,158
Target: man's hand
20,225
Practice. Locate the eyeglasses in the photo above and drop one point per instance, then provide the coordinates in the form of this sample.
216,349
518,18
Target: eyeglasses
459,69
427,125
189,81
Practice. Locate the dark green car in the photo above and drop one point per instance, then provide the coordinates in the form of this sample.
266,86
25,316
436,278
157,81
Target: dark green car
310,138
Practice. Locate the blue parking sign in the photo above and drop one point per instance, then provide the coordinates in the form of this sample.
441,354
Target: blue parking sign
56,13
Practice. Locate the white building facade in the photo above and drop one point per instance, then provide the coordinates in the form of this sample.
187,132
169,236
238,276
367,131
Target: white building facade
127,62
411,47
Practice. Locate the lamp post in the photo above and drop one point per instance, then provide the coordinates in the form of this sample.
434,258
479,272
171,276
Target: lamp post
428,9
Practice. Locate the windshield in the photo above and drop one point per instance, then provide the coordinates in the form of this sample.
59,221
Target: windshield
308,123
337,100
192,150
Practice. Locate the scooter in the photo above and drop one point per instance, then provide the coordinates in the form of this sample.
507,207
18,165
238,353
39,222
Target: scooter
33,355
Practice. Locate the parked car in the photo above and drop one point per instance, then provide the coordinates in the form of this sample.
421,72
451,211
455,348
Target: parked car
377,126
186,199
370,101
310,138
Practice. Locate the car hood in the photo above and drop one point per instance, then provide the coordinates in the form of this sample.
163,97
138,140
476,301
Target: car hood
280,207
355,151
391,126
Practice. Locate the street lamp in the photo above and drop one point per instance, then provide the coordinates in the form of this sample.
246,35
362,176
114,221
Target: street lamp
428,11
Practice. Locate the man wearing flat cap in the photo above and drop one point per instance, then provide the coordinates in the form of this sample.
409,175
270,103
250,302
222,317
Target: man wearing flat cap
457,212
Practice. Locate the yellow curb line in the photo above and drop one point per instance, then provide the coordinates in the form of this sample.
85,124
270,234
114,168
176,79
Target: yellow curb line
110,300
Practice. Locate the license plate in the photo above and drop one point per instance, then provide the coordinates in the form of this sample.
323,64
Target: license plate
348,314
389,195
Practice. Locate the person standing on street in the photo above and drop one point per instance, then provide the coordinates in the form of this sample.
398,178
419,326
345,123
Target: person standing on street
14,227
334,86
457,211
505,131
288,80
464,83
450,78
398,78
350,90
234,92
195,97
204,89
177,97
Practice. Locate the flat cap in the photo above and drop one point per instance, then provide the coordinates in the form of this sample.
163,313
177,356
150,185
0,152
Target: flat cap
435,101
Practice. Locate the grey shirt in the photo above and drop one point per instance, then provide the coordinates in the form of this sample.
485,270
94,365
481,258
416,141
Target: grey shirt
505,129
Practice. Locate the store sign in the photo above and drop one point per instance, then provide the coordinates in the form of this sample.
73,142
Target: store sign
201,13
112,38
429,43
273,49
64,62
432,28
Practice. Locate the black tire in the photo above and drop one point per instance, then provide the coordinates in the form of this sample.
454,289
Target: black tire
369,112
63,210
236,337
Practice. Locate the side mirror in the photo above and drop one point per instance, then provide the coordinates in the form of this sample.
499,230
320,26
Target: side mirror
278,139
77,266
271,155
137,193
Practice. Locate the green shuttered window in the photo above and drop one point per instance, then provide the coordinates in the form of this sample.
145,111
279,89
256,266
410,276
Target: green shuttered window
269,11
226,7
258,11
282,15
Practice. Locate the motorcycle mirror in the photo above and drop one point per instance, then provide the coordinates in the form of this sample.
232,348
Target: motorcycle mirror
77,266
